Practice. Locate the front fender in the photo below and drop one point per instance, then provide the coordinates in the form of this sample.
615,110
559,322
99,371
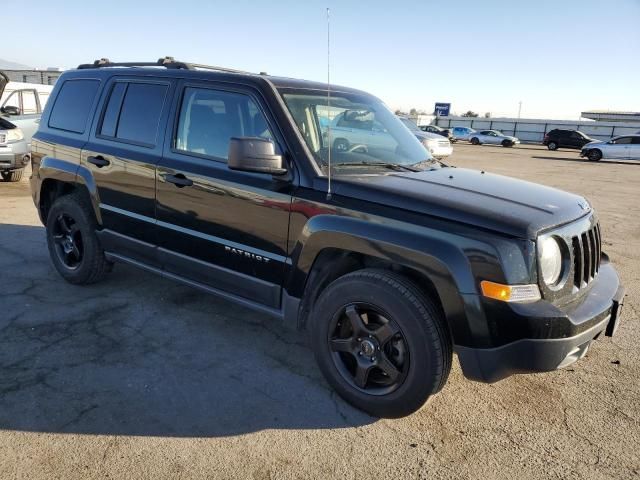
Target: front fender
436,254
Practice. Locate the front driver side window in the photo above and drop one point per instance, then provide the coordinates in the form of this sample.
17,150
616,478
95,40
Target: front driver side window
209,118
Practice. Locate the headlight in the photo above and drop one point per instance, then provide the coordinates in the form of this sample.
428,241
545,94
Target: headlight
14,135
550,258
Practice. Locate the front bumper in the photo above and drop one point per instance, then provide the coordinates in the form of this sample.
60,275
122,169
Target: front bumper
555,336
14,156
439,151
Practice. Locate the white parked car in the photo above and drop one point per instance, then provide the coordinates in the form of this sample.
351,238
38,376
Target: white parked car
624,147
493,137
438,146
15,135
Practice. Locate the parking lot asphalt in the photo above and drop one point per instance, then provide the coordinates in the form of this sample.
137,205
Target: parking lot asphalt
139,377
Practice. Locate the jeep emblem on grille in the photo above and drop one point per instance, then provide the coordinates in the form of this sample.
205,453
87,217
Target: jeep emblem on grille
583,205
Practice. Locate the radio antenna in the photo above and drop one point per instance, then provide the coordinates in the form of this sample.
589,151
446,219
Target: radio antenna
329,105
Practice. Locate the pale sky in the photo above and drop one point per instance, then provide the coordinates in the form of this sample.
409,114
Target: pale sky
558,57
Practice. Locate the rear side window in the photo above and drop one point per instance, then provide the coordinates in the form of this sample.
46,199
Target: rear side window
72,106
133,112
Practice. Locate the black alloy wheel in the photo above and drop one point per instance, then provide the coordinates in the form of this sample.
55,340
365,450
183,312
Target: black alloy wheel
67,237
368,349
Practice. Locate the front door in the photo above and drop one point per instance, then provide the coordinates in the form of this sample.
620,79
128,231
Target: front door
221,228
123,148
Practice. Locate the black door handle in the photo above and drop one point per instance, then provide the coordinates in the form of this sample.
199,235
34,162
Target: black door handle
179,180
98,161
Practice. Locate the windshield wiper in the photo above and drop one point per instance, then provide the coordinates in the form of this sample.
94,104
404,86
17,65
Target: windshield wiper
391,166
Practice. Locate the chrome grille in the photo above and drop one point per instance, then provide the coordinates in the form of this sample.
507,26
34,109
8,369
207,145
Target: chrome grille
3,137
444,143
587,253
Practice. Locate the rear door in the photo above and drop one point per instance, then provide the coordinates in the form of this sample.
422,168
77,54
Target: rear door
122,152
222,228
619,149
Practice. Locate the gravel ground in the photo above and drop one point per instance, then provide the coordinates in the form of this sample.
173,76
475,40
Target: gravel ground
138,377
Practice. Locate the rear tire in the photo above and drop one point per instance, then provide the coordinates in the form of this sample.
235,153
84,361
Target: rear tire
13,175
73,245
406,367
475,141
594,155
552,146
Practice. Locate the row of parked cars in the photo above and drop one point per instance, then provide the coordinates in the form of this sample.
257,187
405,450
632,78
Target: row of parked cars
622,147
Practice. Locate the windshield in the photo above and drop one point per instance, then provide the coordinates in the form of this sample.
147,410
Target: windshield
360,129
410,125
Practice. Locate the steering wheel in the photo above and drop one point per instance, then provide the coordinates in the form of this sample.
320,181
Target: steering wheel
358,146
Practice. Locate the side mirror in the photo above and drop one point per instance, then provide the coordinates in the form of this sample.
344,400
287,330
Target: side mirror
255,154
10,110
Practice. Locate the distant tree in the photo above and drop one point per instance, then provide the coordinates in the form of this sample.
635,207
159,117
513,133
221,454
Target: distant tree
400,112
487,115
469,113
413,111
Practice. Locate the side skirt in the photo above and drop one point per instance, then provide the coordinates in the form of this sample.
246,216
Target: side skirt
288,313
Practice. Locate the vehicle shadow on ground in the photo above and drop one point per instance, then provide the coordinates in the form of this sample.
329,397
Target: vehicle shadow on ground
584,160
140,355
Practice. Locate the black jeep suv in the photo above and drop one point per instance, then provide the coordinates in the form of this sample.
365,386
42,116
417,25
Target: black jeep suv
229,182
560,138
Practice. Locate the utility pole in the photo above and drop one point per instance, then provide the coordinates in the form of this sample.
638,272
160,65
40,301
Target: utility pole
519,108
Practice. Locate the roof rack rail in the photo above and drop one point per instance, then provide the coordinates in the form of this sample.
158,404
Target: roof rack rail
167,62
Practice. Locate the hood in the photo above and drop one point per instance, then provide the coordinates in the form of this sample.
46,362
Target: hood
495,202
426,135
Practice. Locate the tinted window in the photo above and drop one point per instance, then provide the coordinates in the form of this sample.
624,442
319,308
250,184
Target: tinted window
209,118
73,104
635,140
112,112
622,141
140,113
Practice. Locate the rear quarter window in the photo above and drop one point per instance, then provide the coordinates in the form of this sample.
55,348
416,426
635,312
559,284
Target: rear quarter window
73,104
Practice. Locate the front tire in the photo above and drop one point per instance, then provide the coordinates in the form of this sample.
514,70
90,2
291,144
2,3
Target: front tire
341,144
380,342
507,143
475,141
12,175
552,146
73,245
594,155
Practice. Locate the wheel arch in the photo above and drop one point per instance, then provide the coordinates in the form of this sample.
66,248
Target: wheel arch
58,177
334,246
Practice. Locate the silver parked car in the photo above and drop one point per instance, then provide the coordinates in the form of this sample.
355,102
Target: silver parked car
624,147
493,137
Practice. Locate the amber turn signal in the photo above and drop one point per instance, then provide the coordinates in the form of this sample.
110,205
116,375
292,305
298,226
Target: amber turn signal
510,293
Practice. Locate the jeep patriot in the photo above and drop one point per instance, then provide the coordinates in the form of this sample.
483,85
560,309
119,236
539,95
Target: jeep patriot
231,182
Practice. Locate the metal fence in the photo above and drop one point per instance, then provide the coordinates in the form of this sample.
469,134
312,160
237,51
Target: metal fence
43,77
534,131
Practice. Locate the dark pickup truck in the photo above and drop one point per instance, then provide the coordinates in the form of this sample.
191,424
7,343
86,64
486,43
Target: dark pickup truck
228,181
